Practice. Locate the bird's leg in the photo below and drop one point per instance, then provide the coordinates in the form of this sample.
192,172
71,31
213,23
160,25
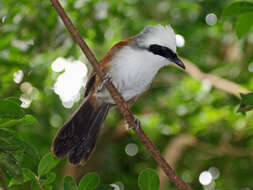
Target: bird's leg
108,78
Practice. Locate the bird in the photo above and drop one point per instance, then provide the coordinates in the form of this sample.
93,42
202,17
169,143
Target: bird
131,66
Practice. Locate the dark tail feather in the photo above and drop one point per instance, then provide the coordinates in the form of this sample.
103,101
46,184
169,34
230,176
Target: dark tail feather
78,136
82,150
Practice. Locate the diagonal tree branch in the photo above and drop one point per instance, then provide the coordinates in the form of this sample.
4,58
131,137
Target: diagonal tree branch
178,182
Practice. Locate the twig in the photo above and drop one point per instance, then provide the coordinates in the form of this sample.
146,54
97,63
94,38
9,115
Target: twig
38,182
217,82
3,181
119,100
174,151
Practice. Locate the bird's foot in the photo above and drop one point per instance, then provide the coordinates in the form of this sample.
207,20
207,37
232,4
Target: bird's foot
137,123
108,78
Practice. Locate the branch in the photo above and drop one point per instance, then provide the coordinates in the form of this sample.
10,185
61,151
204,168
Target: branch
174,151
217,82
39,184
179,183
3,181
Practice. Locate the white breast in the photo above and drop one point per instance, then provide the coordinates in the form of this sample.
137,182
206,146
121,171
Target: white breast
133,70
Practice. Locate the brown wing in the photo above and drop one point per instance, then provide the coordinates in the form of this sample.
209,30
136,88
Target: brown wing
107,58
93,79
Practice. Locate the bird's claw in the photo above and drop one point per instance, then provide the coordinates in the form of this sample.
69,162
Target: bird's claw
137,123
108,78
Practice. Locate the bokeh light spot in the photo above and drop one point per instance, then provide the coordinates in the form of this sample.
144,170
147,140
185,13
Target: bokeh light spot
214,172
22,45
79,3
245,188
55,120
166,130
250,67
118,185
101,9
180,40
131,149
182,110
26,88
17,18
115,186
205,178
3,19
18,76
25,101
211,19
163,6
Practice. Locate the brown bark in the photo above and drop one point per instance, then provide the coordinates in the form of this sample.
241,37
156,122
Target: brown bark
217,82
3,181
173,152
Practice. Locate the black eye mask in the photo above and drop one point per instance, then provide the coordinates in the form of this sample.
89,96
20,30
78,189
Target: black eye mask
162,51
166,53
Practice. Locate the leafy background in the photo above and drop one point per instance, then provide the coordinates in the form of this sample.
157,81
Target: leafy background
192,122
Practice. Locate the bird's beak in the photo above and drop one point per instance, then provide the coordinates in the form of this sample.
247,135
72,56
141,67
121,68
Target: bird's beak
178,62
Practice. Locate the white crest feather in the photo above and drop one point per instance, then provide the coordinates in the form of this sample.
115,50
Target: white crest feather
158,34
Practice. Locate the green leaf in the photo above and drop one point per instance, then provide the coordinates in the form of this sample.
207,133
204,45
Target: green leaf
35,186
50,179
48,162
69,183
247,99
47,187
89,182
246,103
27,120
15,100
237,8
148,180
10,109
6,40
243,24
7,146
9,141
104,187
27,176
10,166
5,119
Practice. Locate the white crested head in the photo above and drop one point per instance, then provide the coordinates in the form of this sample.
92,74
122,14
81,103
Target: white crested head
158,34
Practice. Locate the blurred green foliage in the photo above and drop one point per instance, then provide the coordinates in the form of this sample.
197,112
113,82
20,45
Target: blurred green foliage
33,37
148,180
